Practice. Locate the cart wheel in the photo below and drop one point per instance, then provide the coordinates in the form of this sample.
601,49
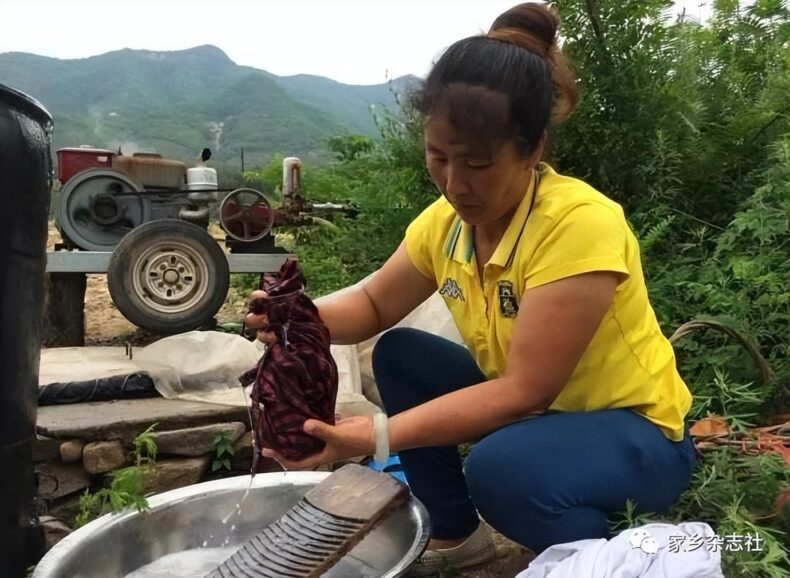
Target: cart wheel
168,276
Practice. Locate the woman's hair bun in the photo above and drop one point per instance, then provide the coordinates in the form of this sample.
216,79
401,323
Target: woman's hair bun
532,26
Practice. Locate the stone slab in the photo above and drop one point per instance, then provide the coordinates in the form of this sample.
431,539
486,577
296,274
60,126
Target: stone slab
57,480
65,508
46,448
125,419
166,475
195,441
54,530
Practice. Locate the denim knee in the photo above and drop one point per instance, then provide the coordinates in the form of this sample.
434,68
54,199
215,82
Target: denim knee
386,360
393,346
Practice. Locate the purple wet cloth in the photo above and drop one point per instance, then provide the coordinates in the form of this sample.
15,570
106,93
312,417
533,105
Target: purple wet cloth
296,378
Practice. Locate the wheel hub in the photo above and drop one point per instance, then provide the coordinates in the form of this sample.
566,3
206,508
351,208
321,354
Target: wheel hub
170,278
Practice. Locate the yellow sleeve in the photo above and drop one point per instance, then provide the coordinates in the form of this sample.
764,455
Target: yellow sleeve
590,237
420,241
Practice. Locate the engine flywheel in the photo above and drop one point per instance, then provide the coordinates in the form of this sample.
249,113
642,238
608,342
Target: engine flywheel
98,207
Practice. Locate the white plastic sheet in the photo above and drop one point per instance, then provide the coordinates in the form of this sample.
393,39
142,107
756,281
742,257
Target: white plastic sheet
432,316
194,366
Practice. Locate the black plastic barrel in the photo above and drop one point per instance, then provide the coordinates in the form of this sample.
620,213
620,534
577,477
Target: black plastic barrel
25,184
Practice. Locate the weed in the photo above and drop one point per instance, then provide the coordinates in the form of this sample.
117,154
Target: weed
223,451
127,487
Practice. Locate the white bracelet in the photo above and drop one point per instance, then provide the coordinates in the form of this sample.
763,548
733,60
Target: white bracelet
381,437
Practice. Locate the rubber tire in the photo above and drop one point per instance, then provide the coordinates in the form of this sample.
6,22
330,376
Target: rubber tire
136,242
25,184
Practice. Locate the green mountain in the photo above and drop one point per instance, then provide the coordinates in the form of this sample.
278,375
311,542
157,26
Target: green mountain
176,103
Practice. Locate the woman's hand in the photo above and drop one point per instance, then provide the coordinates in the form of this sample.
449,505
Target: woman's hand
259,321
349,438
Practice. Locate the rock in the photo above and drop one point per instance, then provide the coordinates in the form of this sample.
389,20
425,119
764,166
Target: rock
45,449
241,460
242,457
101,457
57,480
242,449
65,508
71,451
167,475
125,418
54,530
195,441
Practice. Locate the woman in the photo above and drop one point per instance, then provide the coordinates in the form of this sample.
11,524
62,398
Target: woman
567,383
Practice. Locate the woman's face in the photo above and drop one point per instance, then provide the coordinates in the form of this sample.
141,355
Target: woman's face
482,188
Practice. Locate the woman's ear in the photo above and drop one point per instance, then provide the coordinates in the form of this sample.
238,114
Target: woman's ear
533,159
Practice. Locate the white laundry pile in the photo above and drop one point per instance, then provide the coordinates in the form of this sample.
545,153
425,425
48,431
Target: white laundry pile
688,550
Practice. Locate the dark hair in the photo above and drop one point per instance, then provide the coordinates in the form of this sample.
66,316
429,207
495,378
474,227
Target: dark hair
506,85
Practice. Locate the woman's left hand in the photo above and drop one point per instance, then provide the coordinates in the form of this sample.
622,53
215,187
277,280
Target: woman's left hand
348,438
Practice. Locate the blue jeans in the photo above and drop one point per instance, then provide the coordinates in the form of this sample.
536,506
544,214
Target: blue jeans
542,481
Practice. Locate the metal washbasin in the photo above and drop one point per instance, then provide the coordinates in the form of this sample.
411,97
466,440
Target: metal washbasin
199,525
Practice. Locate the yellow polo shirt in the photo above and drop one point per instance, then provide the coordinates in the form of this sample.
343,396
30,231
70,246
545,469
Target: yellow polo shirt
569,229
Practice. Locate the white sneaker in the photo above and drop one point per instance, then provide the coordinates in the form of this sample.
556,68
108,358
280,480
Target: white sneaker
476,549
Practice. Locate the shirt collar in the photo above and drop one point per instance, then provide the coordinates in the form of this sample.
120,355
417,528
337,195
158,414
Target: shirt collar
459,243
505,251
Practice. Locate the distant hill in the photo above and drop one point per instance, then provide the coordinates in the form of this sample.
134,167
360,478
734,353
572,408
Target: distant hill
177,102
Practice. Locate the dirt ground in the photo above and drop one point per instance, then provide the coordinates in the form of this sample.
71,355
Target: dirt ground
104,325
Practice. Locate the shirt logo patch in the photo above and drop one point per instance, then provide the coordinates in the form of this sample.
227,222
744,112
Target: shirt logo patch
508,303
451,289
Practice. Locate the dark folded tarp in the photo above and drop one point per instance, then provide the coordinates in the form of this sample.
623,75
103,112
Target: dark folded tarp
296,379
133,386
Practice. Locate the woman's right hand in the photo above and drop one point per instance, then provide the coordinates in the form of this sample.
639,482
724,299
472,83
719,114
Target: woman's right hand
348,438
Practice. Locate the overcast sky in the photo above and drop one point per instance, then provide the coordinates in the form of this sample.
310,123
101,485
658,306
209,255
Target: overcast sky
351,41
